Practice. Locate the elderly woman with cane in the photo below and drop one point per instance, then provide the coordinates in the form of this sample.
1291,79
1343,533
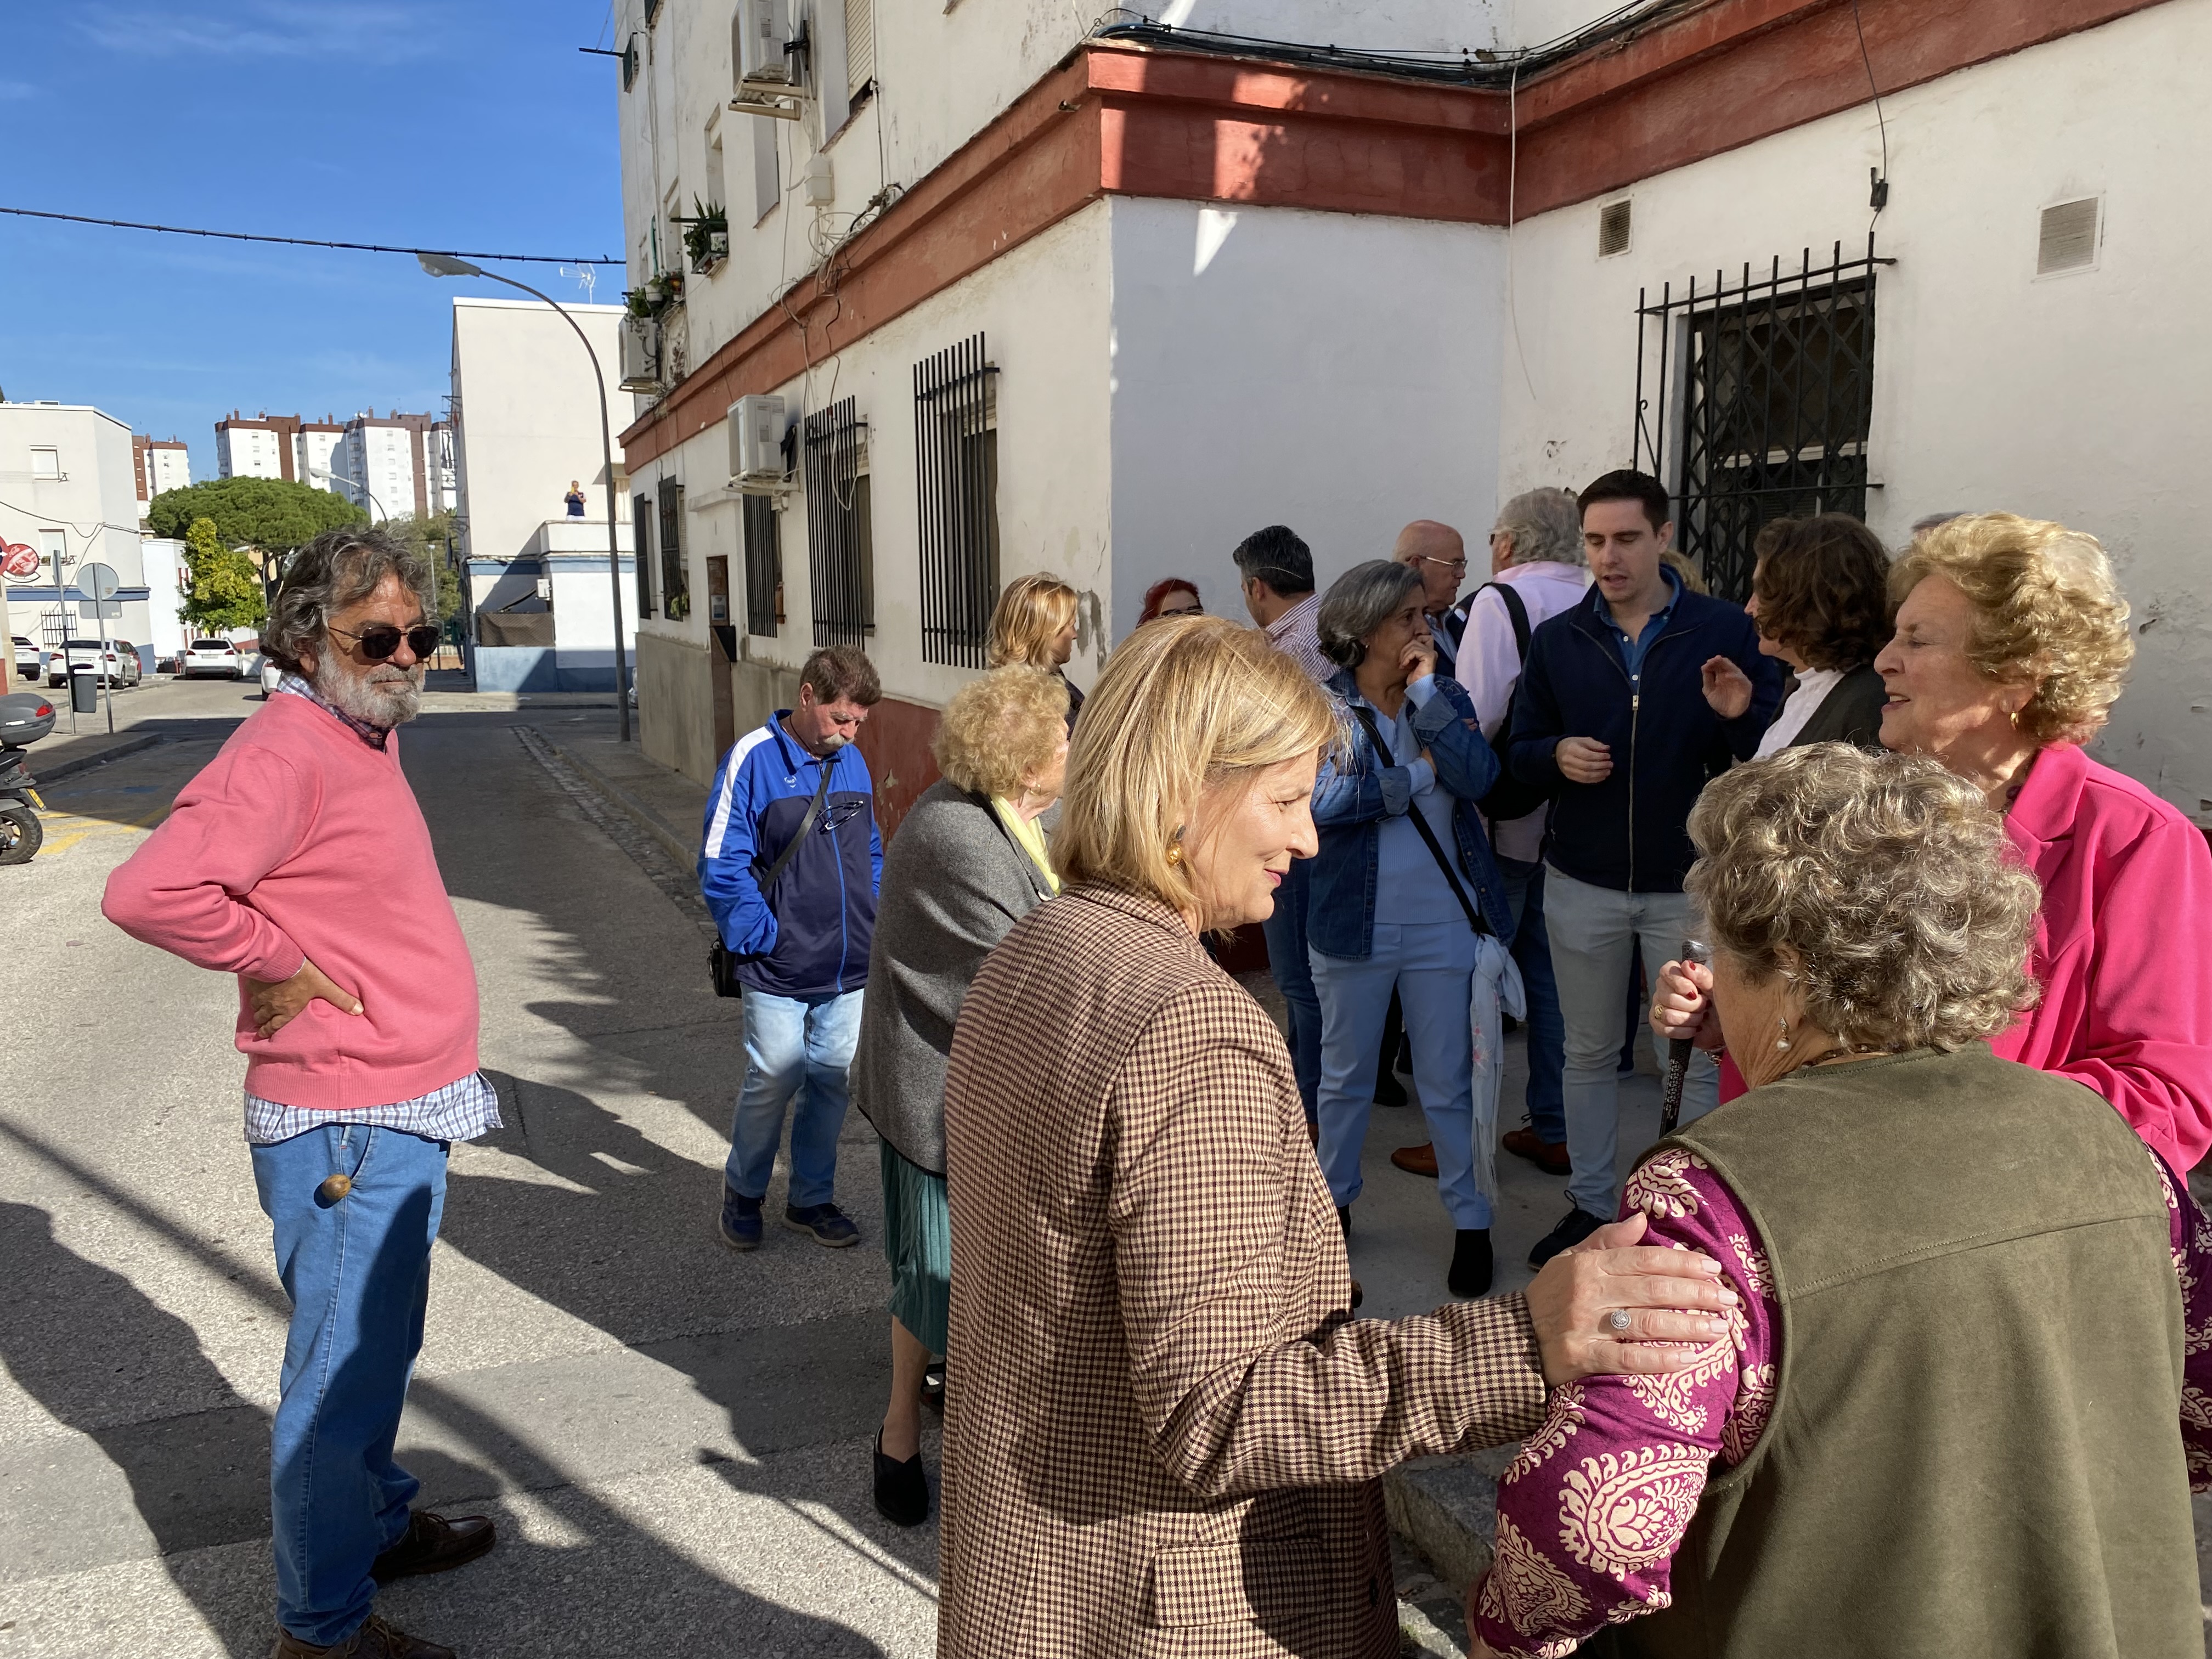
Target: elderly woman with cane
1165,1432
1963,1405
969,862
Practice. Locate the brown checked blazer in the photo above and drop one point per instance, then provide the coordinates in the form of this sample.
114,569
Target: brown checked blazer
1166,1432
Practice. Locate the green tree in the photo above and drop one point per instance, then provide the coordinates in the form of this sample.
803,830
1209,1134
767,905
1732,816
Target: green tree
433,535
265,512
226,583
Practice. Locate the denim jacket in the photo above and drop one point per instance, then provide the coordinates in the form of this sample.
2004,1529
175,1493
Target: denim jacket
1356,792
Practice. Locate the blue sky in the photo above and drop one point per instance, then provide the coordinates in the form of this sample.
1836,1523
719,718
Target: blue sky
450,123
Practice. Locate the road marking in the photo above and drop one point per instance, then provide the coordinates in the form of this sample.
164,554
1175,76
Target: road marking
100,827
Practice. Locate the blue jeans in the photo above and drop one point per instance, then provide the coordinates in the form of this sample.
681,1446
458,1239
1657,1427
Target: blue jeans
1285,932
1548,1028
799,1046
358,1272
1433,966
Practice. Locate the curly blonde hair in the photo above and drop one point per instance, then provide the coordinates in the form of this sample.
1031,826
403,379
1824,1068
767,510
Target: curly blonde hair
999,729
2047,614
1030,615
1891,879
1186,704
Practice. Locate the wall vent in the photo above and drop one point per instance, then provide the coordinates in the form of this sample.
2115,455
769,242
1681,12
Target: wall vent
1613,228
2069,239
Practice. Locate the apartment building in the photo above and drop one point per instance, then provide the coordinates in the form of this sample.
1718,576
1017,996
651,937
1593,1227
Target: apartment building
391,464
159,465
1102,301
69,490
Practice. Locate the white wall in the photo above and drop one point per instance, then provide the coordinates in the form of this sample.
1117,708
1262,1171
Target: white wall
2085,397
527,417
1042,309
1334,372
163,562
249,453
583,607
318,458
168,469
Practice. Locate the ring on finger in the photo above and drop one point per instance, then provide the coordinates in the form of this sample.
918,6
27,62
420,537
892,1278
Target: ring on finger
1616,1322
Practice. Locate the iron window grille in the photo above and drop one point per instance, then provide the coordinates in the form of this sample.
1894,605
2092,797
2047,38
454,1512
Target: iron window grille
955,444
839,554
1771,379
641,508
763,567
675,581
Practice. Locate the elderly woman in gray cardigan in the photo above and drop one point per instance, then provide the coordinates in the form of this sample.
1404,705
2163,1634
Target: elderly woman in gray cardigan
968,863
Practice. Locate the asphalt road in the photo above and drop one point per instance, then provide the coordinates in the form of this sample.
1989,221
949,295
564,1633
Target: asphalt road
675,1439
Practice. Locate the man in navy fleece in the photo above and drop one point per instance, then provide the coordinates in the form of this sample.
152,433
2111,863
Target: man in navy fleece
802,944
1631,699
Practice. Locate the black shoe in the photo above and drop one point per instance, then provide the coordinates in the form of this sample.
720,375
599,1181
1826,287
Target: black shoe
902,1489
1344,1219
1470,1267
828,1223
432,1543
932,1386
1389,1091
1576,1226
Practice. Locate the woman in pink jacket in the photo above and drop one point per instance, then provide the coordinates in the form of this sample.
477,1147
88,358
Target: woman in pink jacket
2011,647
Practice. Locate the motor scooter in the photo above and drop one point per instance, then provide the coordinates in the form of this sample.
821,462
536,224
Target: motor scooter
25,717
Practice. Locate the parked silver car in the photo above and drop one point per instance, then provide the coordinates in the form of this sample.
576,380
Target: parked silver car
116,662
220,658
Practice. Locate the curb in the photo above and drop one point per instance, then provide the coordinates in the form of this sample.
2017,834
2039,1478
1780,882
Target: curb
1447,1509
70,769
677,847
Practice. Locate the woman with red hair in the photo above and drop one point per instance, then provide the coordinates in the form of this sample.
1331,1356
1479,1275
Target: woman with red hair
1171,596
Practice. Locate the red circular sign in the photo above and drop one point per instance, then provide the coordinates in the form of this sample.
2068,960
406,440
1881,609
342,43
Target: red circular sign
19,560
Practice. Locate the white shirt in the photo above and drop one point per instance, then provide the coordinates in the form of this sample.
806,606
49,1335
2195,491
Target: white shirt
1490,667
1814,685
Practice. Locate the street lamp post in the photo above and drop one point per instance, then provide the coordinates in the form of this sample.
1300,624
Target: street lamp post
441,265
348,483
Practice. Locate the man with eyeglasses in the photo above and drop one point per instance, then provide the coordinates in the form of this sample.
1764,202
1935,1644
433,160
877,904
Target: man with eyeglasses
1437,555
298,861
789,864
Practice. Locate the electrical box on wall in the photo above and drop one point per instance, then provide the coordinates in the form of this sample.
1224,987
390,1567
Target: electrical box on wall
758,425
821,182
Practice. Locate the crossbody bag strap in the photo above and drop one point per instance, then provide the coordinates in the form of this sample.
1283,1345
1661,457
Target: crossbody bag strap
813,810
1421,826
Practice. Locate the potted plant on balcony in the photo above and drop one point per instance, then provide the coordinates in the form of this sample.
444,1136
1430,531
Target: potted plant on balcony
706,235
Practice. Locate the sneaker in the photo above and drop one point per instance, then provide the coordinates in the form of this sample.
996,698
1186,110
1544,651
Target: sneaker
1575,1226
1549,1156
830,1224
1470,1263
740,1225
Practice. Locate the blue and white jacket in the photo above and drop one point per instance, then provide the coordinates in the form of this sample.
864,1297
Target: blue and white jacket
809,935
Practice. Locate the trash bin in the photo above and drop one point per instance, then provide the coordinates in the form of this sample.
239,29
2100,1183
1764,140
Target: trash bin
84,688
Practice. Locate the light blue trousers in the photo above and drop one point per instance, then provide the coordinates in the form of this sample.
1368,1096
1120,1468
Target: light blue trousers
798,1047
1594,934
1433,966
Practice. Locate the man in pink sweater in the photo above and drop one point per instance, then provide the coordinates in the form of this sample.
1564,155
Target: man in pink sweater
299,862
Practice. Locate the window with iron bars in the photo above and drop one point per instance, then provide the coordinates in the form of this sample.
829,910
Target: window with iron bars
763,567
641,553
840,550
675,582
1770,378
955,444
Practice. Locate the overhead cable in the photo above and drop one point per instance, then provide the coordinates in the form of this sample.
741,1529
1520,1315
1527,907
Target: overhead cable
304,241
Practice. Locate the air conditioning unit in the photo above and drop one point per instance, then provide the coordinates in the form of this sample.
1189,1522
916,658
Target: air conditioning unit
758,425
762,28
641,355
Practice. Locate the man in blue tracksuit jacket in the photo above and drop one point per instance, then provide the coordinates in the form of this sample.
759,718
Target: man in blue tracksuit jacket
802,944
1630,702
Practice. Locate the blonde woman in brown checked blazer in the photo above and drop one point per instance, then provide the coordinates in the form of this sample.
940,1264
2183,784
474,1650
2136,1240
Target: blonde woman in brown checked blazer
1164,1432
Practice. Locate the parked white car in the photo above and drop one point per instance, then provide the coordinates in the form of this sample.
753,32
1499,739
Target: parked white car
220,658
30,661
114,664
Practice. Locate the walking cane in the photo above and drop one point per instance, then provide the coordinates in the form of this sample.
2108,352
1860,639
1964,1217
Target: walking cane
1678,1053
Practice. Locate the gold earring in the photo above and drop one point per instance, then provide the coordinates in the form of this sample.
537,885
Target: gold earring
1175,855
1783,1041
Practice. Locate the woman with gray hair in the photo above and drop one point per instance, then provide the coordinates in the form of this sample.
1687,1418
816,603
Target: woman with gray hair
1962,1408
1404,893
969,862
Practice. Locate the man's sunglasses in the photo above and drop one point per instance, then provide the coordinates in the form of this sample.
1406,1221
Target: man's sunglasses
380,640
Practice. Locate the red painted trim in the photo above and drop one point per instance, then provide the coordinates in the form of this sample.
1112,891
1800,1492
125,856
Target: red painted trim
1134,121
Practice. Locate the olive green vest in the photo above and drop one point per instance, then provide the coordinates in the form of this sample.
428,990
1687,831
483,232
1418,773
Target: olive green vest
1975,1446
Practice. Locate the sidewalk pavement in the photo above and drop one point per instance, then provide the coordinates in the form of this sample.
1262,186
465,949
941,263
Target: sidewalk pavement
667,806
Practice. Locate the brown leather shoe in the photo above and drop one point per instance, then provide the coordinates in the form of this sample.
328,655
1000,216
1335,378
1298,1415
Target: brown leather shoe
1549,1156
374,1640
435,1544
1419,1160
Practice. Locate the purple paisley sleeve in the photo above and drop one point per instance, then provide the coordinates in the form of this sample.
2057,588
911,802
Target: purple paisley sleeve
1591,1512
2192,1265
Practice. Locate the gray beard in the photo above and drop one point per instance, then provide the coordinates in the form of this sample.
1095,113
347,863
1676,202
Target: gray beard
384,696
